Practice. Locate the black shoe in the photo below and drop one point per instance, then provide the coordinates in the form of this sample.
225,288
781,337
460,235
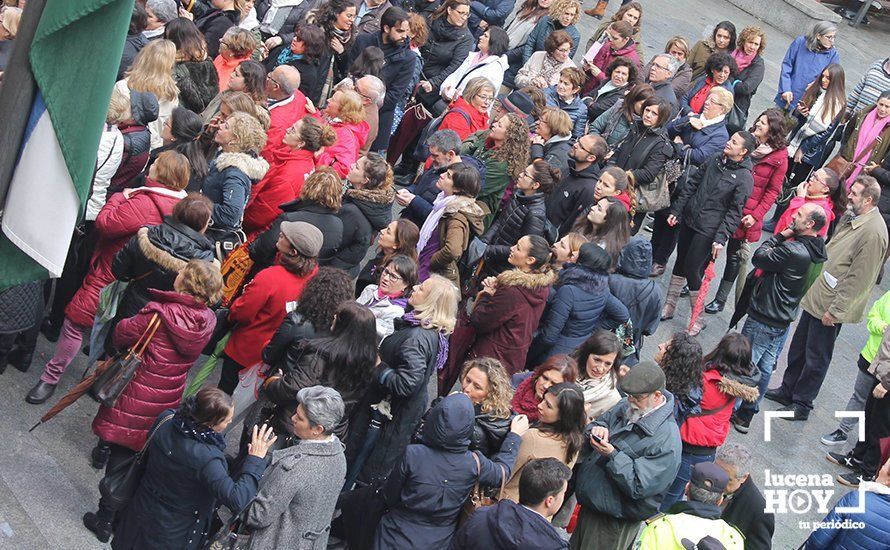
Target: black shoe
800,413
741,425
714,307
684,292
20,359
49,331
778,396
40,393
99,456
853,479
102,529
845,460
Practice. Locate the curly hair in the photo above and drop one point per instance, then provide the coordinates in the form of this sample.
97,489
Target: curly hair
500,390
626,62
751,32
716,62
419,30
201,279
515,149
323,295
327,14
682,364
558,7
323,186
777,128
248,135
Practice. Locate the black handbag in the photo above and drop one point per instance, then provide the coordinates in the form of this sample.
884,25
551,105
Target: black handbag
110,384
119,485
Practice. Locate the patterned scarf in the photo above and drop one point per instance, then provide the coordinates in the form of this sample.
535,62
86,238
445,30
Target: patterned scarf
442,354
199,432
525,401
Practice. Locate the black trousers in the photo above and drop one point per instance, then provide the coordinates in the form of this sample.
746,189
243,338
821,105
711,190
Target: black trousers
119,454
664,237
808,359
638,219
228,375
733,260
877,427
693,253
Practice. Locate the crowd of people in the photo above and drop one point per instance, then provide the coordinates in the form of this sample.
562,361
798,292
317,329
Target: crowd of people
411,237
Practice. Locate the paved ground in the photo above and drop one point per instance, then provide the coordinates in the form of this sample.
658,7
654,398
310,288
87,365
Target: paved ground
46,483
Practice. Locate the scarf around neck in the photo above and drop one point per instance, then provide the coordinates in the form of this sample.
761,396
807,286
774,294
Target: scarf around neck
524,400
869,132
697,102
442,354
762,150
432,221
742,59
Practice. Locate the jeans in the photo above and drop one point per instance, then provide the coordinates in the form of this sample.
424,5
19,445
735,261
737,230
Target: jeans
70,342
862,387
766,344
678,487
808,359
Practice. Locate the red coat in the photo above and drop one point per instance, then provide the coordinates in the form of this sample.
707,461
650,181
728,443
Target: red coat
260,310
825,202
769,172
455,121
186,327
351,138
282,116
506,321
607,55
717,391
116,223
282,183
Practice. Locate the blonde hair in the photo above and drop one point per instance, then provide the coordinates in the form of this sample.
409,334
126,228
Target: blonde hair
439,309
559,6
350,107
10,19
575,240
559,121
724,96
118,107
678,41
500,390
476,86
248,135
152,70
172,170
239,41
324,187
202,280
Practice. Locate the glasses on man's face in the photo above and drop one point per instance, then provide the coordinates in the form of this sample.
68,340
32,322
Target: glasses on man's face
662,67
390,274
269,77
585,149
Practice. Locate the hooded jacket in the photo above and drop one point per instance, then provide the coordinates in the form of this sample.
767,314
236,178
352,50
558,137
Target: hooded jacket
555,151
228,184
631,285
186,327
785,264
576,109
687,524
769,173
461,220
719,393
425,190
608,54
282,183
363,214
572,195
747,83
351,137
507,526
431,482
263,248
283,114
492,68
506,321
711,202
630,483
463,118
198,83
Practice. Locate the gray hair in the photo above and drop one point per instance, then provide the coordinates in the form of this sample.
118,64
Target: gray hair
870,188
444,140
819,28
736,456
324,407
376,88
672,62
165,10
289,78
705,496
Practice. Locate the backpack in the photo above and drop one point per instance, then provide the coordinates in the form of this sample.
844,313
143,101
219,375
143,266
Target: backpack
422,152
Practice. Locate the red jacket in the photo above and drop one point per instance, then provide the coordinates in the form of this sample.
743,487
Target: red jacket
718,392
116,223
453,120
506,321
186,327
825,202
351,138
260,310
282,183
769,172
282,116
607,55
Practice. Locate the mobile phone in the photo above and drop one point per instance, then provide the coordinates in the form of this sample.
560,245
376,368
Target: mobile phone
596,438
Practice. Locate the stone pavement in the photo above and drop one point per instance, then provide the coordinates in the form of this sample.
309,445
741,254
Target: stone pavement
46,483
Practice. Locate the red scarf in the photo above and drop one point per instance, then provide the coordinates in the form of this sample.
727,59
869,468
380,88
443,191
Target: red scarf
697,103
524,399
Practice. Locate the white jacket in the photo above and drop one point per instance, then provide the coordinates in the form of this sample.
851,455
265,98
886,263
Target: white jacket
383,309
108,159
492,68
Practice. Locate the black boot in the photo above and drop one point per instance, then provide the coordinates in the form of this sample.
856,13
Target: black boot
40,393
99,527
99,456
20,359
50,331
719,302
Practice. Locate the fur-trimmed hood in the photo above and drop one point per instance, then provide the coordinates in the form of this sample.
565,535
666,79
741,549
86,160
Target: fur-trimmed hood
465,205
158,255
584,278
383,195
744,387
253,167
374,204
532,281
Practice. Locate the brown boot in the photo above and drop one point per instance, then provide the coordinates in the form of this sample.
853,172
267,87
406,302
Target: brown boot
700,323
673,295
599,11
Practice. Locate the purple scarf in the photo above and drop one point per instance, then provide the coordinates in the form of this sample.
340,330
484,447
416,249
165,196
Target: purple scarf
442,355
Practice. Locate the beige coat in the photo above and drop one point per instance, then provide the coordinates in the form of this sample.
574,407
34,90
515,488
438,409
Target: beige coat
855,255
535,444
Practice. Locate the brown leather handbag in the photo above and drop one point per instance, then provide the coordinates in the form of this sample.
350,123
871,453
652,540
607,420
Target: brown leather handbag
479,498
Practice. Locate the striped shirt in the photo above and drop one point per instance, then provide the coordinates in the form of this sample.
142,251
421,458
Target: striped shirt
873,84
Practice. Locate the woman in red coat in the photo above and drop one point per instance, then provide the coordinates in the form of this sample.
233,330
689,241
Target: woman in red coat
468,113
259,311
770,164
121,217
186,324
346,115
287,171
509,307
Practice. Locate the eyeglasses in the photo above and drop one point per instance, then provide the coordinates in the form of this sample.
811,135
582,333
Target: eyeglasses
391,275
485,98
463,14
564,49
269,77
586,150
662,67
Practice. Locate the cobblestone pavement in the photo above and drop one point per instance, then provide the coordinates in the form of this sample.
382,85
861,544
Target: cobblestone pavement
46,483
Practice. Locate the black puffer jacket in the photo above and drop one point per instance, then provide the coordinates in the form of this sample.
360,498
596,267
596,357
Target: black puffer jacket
153,258
364,213
214,25
263,248
525,215
198,83
444,51
295,15
573,194
784,265
711,202
644,152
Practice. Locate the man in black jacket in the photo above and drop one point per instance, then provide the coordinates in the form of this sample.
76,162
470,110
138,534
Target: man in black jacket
781,266
398,69
744,505
575,192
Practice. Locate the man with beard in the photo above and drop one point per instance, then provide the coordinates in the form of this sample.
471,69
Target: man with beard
781,265
839,295
575,191
635,456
